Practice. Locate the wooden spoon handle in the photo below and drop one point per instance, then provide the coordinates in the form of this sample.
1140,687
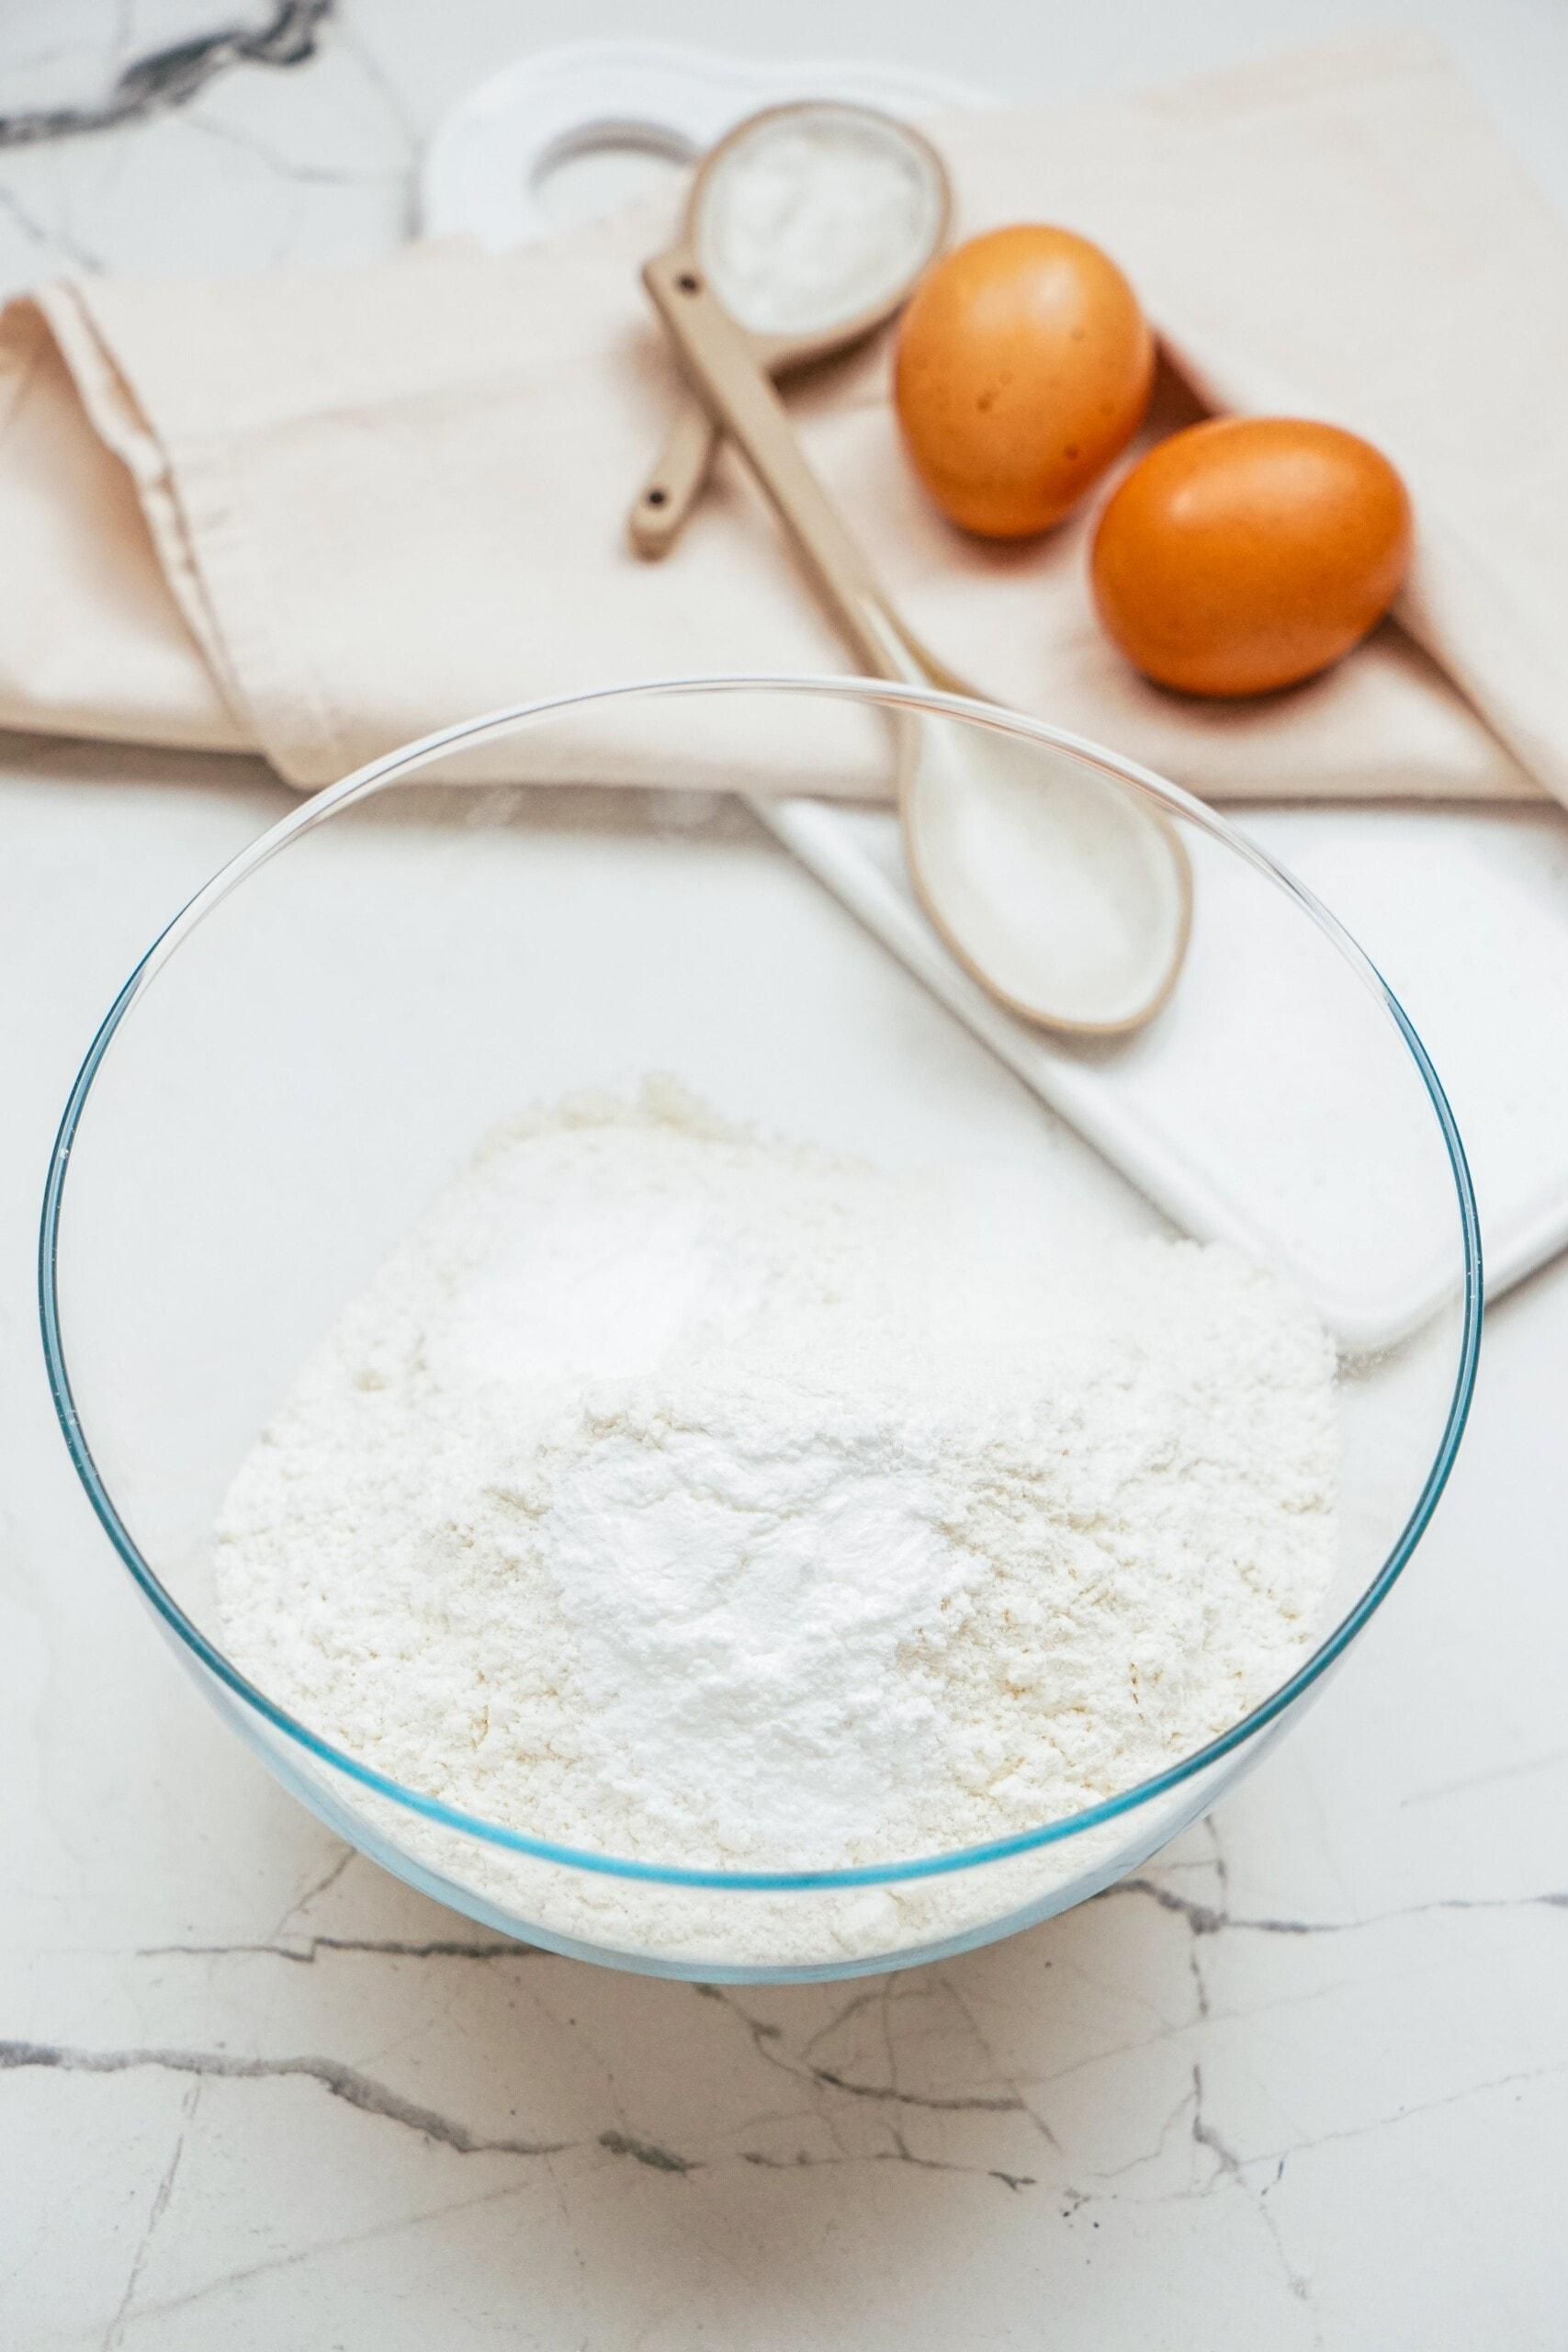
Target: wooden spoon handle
740,397
671,489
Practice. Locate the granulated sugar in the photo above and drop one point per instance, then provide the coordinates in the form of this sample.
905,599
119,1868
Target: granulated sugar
703,1501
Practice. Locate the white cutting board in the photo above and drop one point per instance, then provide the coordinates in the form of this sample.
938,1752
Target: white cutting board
566,134
1468,918
1465,912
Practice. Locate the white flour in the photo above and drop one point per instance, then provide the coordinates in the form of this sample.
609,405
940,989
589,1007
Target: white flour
814,218
706,1501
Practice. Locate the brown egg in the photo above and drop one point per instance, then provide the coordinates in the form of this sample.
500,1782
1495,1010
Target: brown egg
1250,553
1023,367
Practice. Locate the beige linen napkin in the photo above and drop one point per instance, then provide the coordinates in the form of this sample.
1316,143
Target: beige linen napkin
317,512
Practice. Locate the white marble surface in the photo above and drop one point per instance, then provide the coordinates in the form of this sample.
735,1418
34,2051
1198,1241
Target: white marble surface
1303,2085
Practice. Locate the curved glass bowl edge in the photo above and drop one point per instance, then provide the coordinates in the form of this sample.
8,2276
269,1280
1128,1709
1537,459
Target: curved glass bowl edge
325,804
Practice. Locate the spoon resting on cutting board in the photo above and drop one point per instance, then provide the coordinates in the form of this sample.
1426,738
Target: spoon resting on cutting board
1063,893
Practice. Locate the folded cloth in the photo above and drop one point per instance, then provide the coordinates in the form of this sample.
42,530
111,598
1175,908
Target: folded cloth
317,512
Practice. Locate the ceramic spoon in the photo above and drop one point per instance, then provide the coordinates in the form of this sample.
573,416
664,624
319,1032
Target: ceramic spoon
862,257
1058,888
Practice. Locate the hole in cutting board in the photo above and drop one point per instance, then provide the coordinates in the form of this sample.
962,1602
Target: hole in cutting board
591,172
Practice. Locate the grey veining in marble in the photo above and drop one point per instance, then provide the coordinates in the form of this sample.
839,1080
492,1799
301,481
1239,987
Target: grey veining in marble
171,75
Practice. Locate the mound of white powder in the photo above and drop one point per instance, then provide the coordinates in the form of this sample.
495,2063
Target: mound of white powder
700,1500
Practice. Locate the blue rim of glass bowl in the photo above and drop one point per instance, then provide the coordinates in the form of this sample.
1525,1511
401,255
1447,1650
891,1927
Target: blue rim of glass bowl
365,780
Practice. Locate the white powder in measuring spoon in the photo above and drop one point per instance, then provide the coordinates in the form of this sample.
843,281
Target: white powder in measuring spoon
704,1500
815,217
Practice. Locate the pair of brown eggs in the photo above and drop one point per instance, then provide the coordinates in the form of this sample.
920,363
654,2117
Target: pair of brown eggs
1238,556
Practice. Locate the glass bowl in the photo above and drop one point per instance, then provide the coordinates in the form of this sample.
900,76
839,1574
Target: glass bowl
323,1034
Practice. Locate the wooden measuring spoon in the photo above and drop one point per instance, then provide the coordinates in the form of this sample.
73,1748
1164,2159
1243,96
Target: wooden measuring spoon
722,215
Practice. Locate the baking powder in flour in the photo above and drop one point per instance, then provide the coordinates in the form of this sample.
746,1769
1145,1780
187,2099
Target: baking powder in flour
687,1497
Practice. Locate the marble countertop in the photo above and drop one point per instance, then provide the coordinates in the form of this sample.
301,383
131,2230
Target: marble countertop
1302,2083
